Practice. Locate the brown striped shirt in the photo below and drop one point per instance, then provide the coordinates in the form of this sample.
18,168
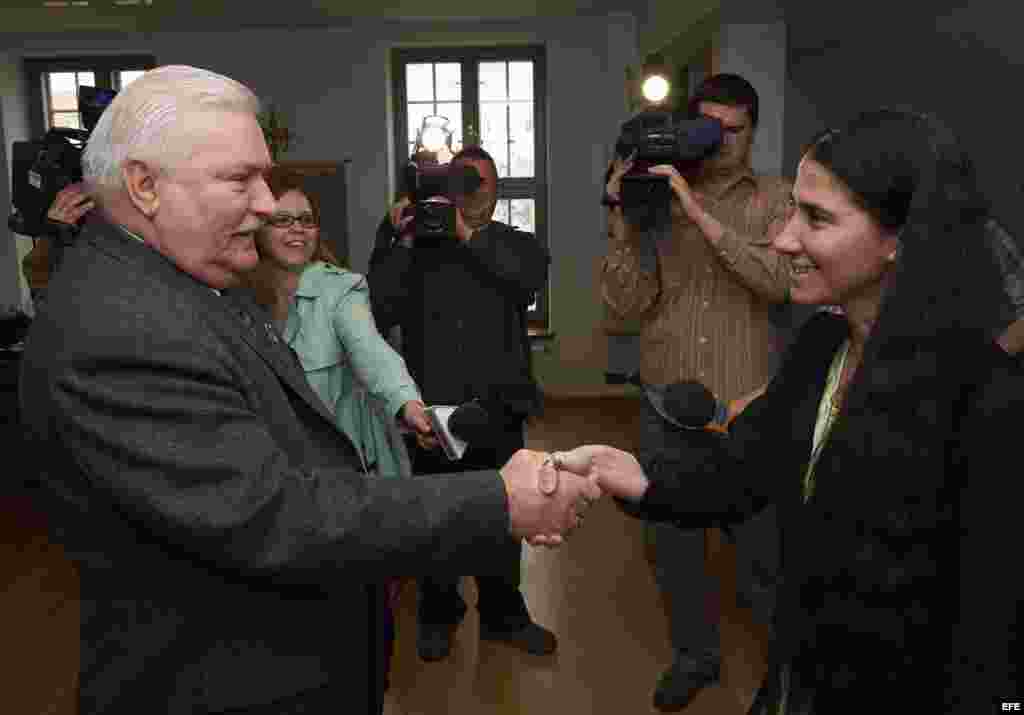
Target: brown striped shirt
704,313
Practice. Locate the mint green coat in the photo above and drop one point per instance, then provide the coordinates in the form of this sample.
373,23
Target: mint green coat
350,365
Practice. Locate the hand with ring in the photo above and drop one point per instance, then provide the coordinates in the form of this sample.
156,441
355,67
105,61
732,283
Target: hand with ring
548,482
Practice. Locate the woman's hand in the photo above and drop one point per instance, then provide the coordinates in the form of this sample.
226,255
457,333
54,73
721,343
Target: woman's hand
620,167
70,204
414,415
616,472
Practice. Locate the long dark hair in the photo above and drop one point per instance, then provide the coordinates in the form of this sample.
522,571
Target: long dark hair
909,172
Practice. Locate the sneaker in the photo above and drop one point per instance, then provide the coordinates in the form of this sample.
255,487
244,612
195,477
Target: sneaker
532,638
687,676
434,640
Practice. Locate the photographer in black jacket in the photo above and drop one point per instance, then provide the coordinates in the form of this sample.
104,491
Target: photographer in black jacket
461,306
68,208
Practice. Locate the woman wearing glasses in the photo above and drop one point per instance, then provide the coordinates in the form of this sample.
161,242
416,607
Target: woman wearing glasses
323,311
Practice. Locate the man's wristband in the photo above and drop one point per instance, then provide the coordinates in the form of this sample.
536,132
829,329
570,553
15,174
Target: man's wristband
610,201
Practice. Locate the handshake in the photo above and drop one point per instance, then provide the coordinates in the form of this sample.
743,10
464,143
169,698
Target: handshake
548,494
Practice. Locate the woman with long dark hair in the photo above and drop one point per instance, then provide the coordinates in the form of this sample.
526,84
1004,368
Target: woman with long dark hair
885,439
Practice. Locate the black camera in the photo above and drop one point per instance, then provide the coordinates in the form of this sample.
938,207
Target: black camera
433,188
657,139
42,167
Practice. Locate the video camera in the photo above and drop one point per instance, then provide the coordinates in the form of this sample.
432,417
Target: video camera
656,139
41,168
432,188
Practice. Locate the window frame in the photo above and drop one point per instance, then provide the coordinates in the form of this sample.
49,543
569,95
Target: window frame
508,187
104,67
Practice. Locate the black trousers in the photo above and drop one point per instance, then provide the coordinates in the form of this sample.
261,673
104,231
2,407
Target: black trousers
501,604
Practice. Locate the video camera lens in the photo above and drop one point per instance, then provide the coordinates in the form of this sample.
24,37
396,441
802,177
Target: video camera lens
653,138
433,189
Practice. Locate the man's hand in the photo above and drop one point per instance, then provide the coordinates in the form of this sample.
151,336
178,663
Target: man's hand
70,204
395,214
680,186
399,223
711,227
414,415
620,167
615,471
462,230
536,507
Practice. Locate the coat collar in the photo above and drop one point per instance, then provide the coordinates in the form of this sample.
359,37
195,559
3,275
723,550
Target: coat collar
317,274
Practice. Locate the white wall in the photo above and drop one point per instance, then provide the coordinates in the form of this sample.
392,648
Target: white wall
334,85
963,64
757,51
13,127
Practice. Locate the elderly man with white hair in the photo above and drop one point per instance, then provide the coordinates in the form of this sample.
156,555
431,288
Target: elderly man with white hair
227,538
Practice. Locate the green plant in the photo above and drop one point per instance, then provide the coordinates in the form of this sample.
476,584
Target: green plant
277,134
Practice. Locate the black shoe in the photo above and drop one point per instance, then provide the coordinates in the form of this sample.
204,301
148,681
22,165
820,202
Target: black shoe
532,638
687,676
434,640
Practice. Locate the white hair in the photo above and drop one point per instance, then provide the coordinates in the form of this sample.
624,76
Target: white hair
144,122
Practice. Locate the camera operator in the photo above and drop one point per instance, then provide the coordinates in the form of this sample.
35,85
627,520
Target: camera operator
703,290
68,208
461,306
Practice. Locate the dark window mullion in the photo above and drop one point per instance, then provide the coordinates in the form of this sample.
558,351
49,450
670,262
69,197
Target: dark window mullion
470,102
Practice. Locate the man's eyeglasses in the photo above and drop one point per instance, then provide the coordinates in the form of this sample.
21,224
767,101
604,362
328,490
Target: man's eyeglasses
284,220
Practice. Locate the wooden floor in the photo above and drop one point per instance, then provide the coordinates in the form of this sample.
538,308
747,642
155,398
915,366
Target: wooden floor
597,593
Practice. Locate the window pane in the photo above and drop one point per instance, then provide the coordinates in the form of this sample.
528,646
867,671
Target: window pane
419,83
501,211
453,111
126,77
492,80
520,80
416,113
521,215
449,81
86,78
521,138
63,92
494,133
65,119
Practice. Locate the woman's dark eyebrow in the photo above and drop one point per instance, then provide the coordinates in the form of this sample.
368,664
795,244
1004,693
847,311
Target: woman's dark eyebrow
813,209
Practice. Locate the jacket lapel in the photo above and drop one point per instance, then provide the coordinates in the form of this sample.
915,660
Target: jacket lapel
255,327
233,309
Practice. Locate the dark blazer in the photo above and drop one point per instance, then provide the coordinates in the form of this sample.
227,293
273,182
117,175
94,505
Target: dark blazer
224,534
462,312
893,587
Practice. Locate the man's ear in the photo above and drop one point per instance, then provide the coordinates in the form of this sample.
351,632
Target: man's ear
140,181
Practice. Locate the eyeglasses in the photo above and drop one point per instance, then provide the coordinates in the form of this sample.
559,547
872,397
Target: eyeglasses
283,220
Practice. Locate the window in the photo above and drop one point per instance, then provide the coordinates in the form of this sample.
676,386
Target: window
54,85
494,97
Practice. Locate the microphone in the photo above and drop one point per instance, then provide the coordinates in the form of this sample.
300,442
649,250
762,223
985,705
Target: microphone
457,427
690,405
470,422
